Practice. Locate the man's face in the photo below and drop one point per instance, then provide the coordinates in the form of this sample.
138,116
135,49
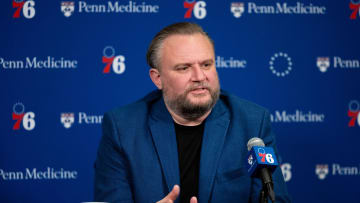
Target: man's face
188,76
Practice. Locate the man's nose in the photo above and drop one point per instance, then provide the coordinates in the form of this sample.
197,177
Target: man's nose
198,73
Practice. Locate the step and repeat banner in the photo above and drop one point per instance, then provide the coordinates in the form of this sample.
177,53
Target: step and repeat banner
64,63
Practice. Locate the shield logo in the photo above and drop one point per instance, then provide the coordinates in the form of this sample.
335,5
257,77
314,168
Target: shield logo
322,170
67,119
67,7
323,63
237,8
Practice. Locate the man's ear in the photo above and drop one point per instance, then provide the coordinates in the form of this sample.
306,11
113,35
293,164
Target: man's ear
155,77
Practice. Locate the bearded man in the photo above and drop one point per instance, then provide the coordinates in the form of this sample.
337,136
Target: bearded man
186,141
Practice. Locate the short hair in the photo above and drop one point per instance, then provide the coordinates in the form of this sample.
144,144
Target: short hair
182,28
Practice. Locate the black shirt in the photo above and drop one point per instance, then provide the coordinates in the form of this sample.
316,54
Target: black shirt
189,140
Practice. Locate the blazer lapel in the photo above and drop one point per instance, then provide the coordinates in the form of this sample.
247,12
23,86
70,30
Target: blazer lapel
213,141
163,134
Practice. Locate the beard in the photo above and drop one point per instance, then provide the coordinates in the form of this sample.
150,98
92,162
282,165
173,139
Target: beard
187,109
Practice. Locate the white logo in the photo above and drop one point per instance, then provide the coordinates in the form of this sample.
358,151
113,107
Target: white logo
237,8
250,160
286,171
222,62
323,63
296,117
67,119
67,7
322,170
286,70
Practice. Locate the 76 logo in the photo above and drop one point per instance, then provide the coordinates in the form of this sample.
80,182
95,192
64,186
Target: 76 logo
353,113
117,63
355,7
196,7
22,117
268,157
27,8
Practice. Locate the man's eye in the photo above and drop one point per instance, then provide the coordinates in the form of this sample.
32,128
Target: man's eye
207,65
183,68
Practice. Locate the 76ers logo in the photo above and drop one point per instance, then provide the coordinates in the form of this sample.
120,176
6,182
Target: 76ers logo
27,8
22,117
196,7
116,62
355,6
353,113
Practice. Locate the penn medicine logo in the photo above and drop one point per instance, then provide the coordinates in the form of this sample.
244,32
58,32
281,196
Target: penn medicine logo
321,171
68,119
67,7
237,9
324,63
296,117
278,8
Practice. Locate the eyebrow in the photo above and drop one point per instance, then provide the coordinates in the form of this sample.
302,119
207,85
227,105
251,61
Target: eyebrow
189,64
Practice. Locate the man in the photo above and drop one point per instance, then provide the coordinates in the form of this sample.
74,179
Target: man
187,141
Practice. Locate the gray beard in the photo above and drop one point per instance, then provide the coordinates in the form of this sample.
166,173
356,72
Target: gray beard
189,111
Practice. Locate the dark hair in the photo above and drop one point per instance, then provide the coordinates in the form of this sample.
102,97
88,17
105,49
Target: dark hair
183,28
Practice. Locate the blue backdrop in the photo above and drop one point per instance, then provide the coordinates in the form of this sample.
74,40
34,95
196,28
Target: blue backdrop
63,64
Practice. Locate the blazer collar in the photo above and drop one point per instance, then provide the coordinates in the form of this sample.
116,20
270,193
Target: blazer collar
216,127
163,134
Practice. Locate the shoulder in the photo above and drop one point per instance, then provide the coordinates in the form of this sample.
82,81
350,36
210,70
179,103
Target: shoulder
134,111
237,105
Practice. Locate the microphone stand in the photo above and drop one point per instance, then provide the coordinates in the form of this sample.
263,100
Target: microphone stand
263,197
267,187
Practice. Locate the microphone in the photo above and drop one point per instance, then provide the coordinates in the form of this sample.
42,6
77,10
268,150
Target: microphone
261,163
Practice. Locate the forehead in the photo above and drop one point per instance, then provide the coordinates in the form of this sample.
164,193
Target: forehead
186,49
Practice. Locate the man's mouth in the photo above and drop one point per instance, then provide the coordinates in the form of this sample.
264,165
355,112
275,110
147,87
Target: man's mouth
199,90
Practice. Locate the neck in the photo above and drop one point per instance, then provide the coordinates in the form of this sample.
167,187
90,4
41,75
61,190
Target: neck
186,122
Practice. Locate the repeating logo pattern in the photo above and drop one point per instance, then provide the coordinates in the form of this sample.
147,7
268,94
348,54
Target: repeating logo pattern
116,63
22,118
237,9
27,8
280,70
286,171
322,170
353,113
67,7
67,119
323,63
355,7
198,8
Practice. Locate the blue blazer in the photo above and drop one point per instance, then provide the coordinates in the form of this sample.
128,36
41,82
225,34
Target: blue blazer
137,159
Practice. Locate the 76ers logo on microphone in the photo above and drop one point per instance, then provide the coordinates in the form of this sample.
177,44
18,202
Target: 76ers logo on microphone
355,7
353,113
26,7
196,7
259,157
22,118
116,63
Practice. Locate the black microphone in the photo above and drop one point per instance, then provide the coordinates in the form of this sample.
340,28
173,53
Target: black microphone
261,163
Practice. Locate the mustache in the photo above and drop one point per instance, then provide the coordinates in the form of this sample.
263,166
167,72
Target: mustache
202,85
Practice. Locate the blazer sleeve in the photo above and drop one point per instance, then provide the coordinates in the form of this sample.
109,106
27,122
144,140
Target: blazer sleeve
112,176
281,194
